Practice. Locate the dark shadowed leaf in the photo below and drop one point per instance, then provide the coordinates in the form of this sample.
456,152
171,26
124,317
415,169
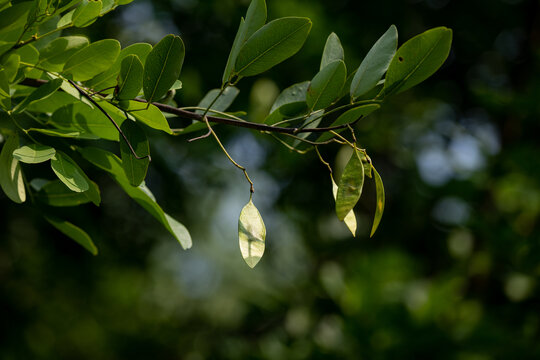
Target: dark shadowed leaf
130,79
255,19
273,43
162,67
141,194
417,59
332,51
326,85
222,103
375,63
135,169
73,232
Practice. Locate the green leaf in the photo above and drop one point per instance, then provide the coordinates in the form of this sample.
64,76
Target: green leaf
108,78
55,54
350,218
270,45
130,79
5,97
141,194
34,153
375,63
55,193
291,102
223,101
348,117
135,169
52,103
13,24
80,118
29,55
66,20
380,202
66,170
350,186
162,67
11,65
417,59
92,60
151,116
251,234
255,19
11,176
326,85
42,92
107,5
332,51
73,232
86,13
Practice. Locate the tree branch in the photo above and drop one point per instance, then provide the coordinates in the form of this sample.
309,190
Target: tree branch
219,120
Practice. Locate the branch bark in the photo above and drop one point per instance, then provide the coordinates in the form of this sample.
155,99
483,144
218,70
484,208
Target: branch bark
219,120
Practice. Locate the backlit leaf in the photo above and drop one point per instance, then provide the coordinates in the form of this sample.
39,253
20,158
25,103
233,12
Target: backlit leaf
63,166
251,234
56,193
108,78
350,186
350,218
350,116
55,54
34,153
86,13
11,177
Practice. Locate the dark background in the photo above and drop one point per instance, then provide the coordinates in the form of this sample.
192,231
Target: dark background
452,272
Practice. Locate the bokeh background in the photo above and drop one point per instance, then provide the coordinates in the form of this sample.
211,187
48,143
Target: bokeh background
452,272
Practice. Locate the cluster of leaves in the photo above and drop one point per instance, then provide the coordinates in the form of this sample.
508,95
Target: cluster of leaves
59,95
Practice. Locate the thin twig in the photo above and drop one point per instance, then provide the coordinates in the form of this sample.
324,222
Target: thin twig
83,93
229,156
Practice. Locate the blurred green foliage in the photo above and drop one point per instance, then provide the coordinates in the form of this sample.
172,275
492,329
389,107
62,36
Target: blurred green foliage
452,272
